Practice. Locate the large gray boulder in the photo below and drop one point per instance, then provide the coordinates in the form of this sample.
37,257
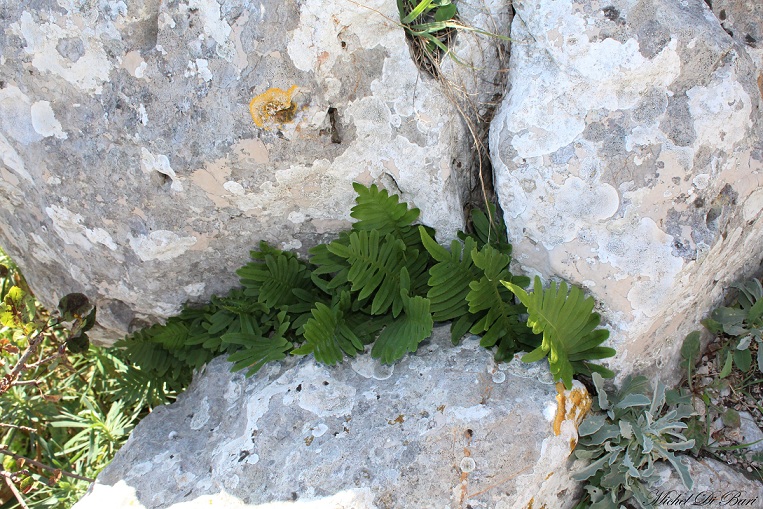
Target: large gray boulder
446,427
134,170
627,157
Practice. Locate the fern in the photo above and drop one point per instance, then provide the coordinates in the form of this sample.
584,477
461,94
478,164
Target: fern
154,359
273,276
568,324
404,334
449,283
377,211
258,346
328,335
382,283
499,323
487,229
374,268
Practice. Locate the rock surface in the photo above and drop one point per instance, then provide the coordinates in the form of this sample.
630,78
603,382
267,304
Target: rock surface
715,485
628,159
133,171
445,428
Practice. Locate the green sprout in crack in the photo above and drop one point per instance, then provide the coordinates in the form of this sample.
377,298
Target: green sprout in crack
431,26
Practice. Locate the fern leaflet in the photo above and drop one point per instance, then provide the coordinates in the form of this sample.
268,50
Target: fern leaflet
273,276
375,268
327,336
568,324
500,322
257,349
377,211
406,332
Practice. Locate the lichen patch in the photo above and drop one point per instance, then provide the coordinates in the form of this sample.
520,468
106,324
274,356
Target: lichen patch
273,107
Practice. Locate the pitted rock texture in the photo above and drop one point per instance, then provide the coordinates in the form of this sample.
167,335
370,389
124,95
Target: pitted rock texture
132,170
627,158
446,427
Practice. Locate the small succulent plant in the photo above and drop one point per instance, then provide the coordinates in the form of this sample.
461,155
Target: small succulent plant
624,443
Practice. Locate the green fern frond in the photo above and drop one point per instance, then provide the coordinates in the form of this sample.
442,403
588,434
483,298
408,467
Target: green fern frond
488,229
376,210
450,277
568,324
152,357
257,349
138,388
328,337
327,263
405,333
375,268
498,321
173,335
273,275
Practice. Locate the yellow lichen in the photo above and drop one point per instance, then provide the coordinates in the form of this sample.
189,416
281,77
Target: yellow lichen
274,106
570,405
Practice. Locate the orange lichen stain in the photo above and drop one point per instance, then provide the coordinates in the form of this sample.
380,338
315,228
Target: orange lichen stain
274,106
570,405
398,420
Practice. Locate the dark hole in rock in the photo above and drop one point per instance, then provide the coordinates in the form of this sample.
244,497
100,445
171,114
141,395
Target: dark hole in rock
611,13
333,115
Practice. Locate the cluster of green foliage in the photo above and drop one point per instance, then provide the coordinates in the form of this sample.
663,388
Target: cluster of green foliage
741,323
383,284
624,444
431,25
729,369
64,406
428,20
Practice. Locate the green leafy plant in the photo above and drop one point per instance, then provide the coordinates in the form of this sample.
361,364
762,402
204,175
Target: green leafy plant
624,444
719,400
430,20
742,323
66,406
431,25
569,327
382,284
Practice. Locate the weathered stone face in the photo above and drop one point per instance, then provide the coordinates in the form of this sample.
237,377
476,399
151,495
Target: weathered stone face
446,427
627,156
133,171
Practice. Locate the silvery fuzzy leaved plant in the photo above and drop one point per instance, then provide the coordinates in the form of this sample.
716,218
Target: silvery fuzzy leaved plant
624,443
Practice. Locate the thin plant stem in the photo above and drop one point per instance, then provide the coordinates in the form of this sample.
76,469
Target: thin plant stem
46,467
16,493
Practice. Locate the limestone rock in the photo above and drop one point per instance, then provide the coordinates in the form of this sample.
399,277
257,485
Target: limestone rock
134,171
743,20
627,158
446,427
715,485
